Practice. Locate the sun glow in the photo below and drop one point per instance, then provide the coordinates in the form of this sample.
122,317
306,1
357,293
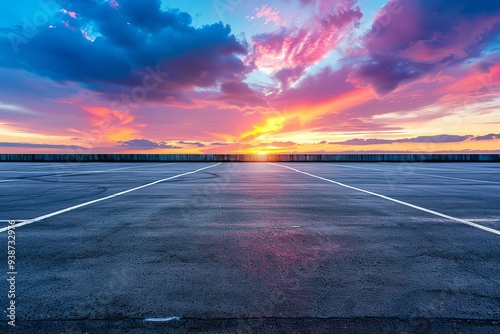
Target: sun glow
271,125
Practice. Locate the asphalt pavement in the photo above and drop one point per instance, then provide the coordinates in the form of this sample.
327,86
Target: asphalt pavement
252,247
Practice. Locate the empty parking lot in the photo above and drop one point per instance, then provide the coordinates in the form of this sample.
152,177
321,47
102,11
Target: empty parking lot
253,247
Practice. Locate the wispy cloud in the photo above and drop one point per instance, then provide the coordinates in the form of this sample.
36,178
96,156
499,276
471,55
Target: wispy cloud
269,14
420,139
34,145
16,108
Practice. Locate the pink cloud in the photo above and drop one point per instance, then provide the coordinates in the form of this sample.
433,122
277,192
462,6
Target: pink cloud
411,39
290,51
113,4
269,14
70,13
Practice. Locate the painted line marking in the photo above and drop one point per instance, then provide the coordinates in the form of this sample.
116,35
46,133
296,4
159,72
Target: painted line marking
37,219
484,220
69,173
486,168
120,168
83,171
411,173
456,178
162,319
463,221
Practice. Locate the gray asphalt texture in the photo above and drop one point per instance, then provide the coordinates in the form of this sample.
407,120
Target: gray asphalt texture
253,248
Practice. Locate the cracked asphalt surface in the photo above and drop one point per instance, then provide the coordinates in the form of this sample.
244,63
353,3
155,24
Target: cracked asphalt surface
253,248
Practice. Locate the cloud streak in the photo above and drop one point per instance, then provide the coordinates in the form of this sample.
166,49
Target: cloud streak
288,52
146,144
41,146
420,139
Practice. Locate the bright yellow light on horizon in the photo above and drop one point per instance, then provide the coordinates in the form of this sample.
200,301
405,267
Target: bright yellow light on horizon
273,124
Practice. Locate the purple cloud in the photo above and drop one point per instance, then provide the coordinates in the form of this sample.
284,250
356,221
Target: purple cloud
31,145
145,144
197,144
238,94
290,51
491,136
134,46
421,139
412,38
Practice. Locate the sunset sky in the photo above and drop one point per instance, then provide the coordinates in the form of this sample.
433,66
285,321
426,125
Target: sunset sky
234,76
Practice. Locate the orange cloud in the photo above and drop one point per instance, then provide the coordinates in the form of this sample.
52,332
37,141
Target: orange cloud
299,116
112,125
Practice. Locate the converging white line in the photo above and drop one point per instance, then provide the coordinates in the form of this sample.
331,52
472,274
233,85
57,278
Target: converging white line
83,171
37,219
429,175
162,319
463,221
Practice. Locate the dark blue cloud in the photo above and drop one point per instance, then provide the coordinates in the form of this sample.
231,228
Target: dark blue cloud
126,41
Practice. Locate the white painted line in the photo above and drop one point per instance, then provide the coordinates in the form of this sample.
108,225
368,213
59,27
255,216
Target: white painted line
69,173
463,221
355,167
83,171
445,167
412,173
9,220
107,170
162,319
456,178
37,219
484,220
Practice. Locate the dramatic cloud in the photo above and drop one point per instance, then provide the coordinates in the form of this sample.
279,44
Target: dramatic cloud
288,52
412,38
141,75
135,49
